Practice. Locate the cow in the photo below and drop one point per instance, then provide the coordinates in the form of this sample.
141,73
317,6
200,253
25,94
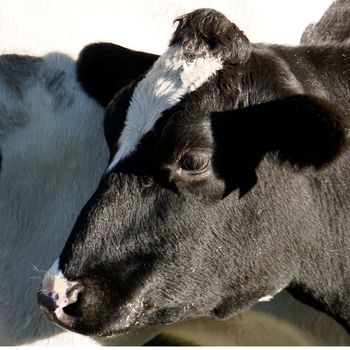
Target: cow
52,147
227,184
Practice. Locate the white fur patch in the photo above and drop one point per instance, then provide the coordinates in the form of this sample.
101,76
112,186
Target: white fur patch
266,298
269,297
56,285
171,77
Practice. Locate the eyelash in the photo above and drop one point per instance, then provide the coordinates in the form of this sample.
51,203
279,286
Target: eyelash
194,164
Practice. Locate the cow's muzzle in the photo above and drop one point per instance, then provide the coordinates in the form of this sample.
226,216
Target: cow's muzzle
59,299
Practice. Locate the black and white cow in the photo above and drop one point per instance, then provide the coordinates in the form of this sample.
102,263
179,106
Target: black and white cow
228,183
52,145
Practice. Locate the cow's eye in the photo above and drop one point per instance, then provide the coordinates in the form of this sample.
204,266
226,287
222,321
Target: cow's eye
194,163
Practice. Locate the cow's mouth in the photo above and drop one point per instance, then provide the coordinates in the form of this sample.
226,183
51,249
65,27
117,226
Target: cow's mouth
76,317
71,317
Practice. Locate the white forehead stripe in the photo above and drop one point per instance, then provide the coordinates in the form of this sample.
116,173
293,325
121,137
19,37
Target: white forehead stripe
171,77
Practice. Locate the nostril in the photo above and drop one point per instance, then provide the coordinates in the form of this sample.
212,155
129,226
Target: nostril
46,302
61,302
72,293
73,309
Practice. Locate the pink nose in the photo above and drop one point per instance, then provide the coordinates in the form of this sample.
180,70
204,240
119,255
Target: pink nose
59,308
58,298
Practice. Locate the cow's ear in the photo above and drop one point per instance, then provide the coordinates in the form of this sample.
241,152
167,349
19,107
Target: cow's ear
115,115
304,131
104,68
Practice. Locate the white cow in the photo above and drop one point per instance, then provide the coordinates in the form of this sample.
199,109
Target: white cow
53,151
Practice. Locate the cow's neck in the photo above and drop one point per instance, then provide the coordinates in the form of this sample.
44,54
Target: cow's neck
325,293
323,280
324,276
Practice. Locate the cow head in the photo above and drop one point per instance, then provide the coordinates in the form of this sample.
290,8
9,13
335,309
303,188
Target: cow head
198,210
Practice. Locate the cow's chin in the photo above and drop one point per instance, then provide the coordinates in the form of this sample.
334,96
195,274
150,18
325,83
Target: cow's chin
141,319
102,324
101,330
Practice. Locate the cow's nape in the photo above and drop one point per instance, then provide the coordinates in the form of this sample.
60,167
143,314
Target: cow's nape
206,30
304,131
104,68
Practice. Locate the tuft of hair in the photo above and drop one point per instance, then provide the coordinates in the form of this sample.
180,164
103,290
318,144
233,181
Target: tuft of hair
206,31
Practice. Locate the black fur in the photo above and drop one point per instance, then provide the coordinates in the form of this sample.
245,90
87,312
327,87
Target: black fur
160,243
114,122
333,27
104,68
305,131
